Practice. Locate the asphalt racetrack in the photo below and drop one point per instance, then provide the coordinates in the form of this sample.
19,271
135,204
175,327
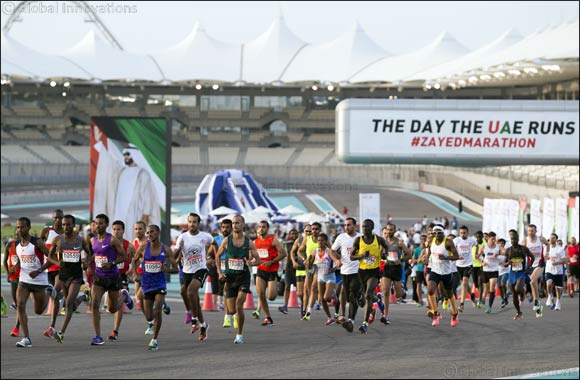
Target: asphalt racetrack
481,346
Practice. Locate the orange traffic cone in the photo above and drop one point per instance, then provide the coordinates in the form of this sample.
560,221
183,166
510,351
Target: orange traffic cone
249,304
497,291
293,300
208,297
49,307
392,298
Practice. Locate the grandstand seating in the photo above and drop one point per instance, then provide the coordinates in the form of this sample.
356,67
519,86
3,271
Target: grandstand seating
321,115
312,156
224,137
79,153
28,110
223,155
268,156
17,153
327,138
49,153
185,155
28,134
295,113
224,114
258,112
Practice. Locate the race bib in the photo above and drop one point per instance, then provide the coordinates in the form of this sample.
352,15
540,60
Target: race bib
194,260
263,253
371,260
100,261
71,256
392,256
153,266
517,266
573,259
321,267
222,265
28,261
121,265
236,264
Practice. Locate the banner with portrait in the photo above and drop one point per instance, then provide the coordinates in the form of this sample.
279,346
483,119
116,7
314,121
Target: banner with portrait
130,160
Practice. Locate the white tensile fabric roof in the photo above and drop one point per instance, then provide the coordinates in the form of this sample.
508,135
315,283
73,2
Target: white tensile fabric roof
470,61
278,56
336,60
22,60
200,57
104,62
266,57
398,68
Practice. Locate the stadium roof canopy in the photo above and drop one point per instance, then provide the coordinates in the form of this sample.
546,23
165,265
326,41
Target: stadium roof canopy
279,58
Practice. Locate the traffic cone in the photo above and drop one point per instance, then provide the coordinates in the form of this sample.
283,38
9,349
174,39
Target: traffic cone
208,297
49,307
249,304
497,291
392,298
293,300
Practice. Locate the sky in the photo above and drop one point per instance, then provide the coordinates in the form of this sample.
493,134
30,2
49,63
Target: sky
399,27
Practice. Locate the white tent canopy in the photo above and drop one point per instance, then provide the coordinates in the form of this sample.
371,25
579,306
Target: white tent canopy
394,69
200,57
470,61
106,62
22,60
266,57
336,60
291,209
222,210
310,217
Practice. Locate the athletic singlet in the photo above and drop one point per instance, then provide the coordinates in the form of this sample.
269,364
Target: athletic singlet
394,252
439,266
311,246
51,235
136,244
488,259
153,277
104,253
71,257
464,247
474,251
501,260
518,263
31,259
374,259
537,249
12,261
235,256
323,262
124,266
267,251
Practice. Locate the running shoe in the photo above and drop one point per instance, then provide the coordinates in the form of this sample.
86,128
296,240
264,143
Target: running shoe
340,320
436,319
97,341
113,337
51,291
151,329
13,306
256,314
59,337
239,339
454,319
49,332
24,342
540,312
348,325
461,306
488,310
166,308
194,325
128,300
227,321
385,320
420,304
235,321
268,322
306,316
153,345
62,311
283,309
445,304
203,332
317,306
549,300
15,332
87,296
558,305
479,304
518,315
430,313
187,317
553,306
363,328
536,306
221,307
503,303
330,321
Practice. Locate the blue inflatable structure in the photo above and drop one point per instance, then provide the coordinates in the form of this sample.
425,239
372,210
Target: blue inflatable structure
232,188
